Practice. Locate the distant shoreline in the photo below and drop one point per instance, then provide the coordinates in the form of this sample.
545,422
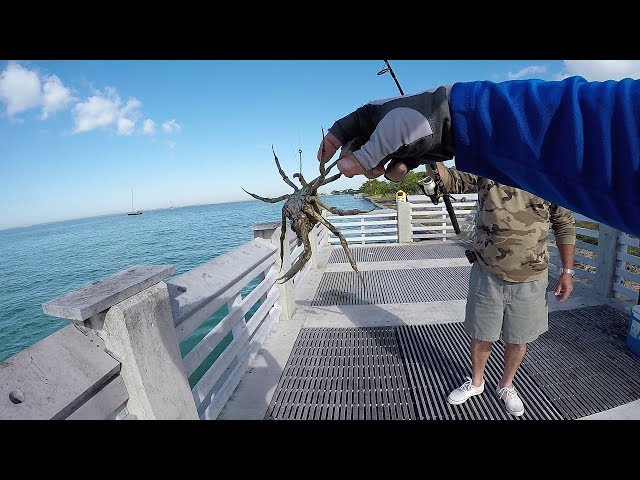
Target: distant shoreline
379,205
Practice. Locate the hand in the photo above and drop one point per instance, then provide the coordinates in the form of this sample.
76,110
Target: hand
564,288
404,132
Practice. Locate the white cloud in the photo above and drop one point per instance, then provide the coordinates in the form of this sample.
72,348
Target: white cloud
125,126
149,127
132,105
171,126
527,72
55,96
171,144
20,89
104,109
97,111
600,70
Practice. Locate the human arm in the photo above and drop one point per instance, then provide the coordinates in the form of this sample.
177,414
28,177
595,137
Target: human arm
563,225
456,181
565,281
574,143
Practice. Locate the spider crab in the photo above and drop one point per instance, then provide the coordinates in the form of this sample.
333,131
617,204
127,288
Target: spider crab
304,208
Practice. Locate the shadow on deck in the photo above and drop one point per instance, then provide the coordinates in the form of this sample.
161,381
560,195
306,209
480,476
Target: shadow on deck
393,348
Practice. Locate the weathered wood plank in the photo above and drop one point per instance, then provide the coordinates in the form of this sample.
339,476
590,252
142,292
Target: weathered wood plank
210,280
81,304
391,238
625,257
103,403
634,277
587,232
54,376
215,371
333,218
368,231
627,240
211,340
364,222
220,399
626,291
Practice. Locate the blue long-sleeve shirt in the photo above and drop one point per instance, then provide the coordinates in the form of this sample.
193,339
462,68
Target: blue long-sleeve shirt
572,142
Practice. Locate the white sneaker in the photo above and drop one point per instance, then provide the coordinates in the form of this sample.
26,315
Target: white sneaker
512,402
463,392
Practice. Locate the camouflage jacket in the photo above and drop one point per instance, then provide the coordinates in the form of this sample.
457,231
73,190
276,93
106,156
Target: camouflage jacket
510,237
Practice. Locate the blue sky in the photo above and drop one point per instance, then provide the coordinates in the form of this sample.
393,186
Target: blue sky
76,136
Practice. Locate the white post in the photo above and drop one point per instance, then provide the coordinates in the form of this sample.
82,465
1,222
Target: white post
140,333
362,232
325,232
621,264
313,242
239,327
287,298
444,220
607,259
130,310
405,232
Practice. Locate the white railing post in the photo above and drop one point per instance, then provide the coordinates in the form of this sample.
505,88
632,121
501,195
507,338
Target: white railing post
287,298
620,264
324,237
405,232
362,232
444,220
606,261
238,328
131,312
140,332
313,242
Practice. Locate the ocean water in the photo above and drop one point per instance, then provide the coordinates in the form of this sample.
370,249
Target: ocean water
42,262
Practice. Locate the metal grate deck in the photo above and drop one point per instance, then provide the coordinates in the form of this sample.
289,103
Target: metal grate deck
343,373
582,363
394,253
393,286
580,367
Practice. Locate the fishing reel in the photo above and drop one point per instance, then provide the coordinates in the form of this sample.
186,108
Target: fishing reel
430,188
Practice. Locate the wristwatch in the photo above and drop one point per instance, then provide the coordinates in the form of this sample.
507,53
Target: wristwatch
570,271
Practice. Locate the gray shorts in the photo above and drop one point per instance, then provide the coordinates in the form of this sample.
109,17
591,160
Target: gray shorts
518,311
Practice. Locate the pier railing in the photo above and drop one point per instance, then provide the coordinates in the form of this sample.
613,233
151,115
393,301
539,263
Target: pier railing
145,348
606,260
145,344
414,220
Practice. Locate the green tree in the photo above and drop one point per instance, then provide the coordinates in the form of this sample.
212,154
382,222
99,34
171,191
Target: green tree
375,188
409,184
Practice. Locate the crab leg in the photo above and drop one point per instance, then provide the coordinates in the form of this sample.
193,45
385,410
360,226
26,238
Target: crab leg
282,174
283,235
323,162
332,179
337,233
268,200
333,164
302,260
299,176
337,211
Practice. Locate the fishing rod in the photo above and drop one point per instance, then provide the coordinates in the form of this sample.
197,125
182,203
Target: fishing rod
432,187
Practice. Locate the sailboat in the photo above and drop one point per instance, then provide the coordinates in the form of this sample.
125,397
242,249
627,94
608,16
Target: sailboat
133,212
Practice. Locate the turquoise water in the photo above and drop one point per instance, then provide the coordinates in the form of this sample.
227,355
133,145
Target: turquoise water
42,262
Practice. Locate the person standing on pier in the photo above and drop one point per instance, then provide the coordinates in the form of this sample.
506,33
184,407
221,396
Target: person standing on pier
509,278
